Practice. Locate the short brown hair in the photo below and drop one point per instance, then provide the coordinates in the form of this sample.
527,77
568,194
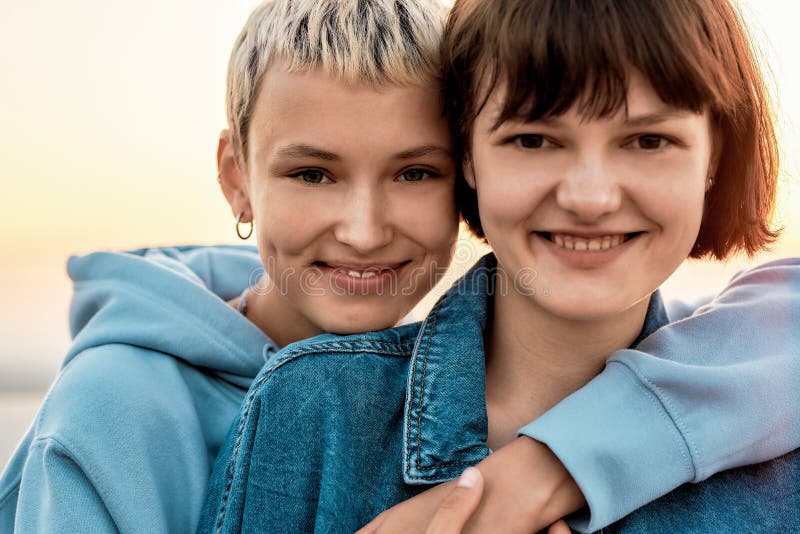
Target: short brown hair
553,54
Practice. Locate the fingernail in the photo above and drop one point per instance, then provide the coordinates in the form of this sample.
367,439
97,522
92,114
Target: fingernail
468,478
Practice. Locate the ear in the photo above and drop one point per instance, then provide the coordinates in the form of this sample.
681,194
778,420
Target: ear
232,180
469,172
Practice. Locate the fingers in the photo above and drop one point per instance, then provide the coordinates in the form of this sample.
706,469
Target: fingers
459,505
559,527
373,526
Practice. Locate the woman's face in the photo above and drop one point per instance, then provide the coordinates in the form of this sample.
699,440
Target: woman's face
351,191
592,215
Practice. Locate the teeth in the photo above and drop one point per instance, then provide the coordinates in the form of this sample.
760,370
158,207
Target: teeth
579,243
359,274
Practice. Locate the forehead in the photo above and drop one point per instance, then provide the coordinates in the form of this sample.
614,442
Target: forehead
313,107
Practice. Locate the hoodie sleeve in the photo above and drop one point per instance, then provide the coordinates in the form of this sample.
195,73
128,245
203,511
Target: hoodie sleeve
56,495
716,390
117,447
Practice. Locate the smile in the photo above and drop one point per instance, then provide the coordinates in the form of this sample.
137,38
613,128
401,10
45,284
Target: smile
579,243
346,274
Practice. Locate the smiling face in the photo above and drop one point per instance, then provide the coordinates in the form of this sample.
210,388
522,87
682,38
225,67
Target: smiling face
597,212
350,188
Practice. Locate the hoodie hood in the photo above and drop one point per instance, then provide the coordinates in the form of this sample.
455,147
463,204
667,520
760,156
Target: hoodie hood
172,300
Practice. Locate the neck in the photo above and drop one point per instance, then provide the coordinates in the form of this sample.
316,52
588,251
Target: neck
534,358
274,314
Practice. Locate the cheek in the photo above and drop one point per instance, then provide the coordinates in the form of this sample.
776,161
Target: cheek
507,193
428,218
286,219
675,199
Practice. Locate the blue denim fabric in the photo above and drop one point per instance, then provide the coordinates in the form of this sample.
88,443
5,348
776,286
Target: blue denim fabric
337,429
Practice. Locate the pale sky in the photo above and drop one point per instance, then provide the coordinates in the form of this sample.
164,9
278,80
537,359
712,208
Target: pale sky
110,114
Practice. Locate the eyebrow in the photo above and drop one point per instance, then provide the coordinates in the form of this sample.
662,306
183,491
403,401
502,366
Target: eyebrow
655,118
298,151
640,121
421,151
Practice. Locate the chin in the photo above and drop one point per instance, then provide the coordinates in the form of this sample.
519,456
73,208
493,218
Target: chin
346,329
345,322
594,308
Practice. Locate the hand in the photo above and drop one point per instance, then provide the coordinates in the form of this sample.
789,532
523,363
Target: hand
559,527
445,508
526,488
413,515
457,507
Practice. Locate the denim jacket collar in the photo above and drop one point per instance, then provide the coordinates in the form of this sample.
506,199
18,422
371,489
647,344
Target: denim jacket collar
445,422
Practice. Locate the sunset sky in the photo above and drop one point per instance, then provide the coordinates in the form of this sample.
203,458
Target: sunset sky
110,113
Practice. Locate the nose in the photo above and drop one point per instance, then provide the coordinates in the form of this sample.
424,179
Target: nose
362,221
589,190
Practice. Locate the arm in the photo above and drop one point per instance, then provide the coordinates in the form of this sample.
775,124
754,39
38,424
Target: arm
113,449
716,390
56,495
509,502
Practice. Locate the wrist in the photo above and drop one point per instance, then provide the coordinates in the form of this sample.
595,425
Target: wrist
558,493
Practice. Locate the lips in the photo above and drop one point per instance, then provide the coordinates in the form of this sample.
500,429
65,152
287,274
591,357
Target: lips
361,270
361,278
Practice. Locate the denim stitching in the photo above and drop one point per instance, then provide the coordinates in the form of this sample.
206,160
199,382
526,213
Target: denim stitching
414,358
432,324
422,390
308,350
419,416
432,320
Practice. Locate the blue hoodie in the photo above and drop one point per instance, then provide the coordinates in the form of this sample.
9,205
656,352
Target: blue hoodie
129,431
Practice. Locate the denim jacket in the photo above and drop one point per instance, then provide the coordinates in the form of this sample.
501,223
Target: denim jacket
337,429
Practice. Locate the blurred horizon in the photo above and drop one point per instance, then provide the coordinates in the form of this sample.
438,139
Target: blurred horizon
111,114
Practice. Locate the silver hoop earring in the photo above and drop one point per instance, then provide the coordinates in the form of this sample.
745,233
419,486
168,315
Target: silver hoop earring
239,230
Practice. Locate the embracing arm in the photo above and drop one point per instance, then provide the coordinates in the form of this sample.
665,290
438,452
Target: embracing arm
716,390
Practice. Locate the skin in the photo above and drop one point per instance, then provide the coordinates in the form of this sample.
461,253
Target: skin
462,501
644,172
339,178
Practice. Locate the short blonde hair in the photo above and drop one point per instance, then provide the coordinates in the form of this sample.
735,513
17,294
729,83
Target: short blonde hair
372,41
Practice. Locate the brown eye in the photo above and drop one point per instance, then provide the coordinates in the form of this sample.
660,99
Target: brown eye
650,142
530,141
